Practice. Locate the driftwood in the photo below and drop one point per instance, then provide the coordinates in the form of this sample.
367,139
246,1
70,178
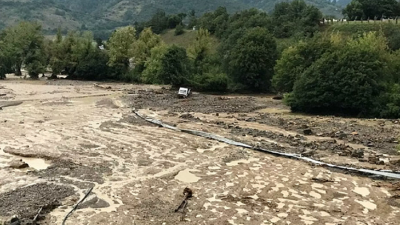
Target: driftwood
37,214
77,204
188,193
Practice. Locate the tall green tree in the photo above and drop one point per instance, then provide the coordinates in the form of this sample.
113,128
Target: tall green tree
348,81
364,9
252,60
142,47
26,42
121,45
200,49
296,59
295,17
175,66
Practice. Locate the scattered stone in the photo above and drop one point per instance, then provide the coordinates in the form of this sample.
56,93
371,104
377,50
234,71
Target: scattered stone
321,180
370,144
15,221
18,164
380,162
358,153
308,153
307,131
354,133
395,162
373,159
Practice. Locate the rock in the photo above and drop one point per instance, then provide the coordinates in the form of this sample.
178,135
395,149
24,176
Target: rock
380,162
362,160
308,153
358,153
15,221
370,144
395,162
18,164
304,126
373,159
354,133
307,131
278,97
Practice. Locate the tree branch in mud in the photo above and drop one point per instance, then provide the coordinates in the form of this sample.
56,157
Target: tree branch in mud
188,193
77,204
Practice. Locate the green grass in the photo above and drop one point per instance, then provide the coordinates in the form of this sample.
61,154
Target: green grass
185,39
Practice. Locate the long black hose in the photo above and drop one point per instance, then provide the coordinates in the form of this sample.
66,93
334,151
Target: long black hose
386,173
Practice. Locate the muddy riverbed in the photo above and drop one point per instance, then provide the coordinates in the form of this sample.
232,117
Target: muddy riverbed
79,135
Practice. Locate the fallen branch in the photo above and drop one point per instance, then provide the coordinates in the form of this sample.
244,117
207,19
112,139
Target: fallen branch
37,214
188,193
77,204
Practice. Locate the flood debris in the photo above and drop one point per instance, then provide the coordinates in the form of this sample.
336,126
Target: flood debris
188,193
26,201
77,204
18,164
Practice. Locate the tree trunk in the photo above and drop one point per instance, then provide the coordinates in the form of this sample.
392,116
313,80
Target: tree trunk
18,69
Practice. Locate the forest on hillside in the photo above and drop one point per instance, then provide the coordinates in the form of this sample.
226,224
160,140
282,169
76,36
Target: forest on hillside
103,16
350,68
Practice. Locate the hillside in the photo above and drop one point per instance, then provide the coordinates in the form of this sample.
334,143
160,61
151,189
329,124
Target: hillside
105,15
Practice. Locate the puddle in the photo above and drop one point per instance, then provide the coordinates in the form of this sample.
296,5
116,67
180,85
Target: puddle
35,163
186,177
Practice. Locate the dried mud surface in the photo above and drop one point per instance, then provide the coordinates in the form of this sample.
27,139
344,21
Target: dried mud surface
76,135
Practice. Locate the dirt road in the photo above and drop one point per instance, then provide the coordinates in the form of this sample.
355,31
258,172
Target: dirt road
77,135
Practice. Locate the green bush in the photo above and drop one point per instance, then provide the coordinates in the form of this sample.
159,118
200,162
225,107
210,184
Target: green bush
344,82
211,82
175,66
295,60
179,30
251,61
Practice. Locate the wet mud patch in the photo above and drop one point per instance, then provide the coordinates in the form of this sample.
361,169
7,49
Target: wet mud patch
168,100
28,153
106,103
68,169
135,120
381,135
236,155
25,202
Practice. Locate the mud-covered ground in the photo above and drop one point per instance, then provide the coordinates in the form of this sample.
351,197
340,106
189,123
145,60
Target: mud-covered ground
79,135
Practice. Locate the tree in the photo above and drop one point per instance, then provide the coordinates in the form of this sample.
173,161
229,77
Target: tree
349,80
153,66
296,59
200,49
159,22
215,22
363,9
57,55
175,66
121,44
179,30
295,17
26,42
354,10
252,59
146,41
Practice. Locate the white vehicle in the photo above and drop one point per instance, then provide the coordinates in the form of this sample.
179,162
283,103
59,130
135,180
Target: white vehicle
184,92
